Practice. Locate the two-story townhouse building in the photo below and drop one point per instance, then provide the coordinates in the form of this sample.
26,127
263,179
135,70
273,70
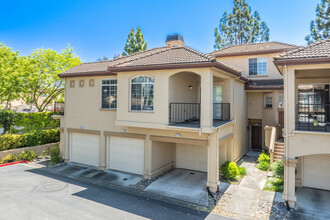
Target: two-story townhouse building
306,73
264,91
167,107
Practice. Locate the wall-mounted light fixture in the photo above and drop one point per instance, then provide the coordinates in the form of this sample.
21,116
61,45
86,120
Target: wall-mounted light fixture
81,126
190,86
122,130
178,135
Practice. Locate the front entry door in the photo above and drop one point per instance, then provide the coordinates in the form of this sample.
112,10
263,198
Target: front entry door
280,123
256,137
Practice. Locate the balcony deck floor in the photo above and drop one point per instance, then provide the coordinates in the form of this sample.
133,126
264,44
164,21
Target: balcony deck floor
216,123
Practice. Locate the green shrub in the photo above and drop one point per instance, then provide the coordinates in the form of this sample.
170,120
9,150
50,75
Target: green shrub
263,157
7,119
242,171
10,141
9,158
229,170
274,184
263,166
34,138
278,169
55,156
35,121
27,155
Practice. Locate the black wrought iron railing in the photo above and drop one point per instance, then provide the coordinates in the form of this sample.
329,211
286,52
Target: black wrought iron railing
221,111
313,117
188,113
59,108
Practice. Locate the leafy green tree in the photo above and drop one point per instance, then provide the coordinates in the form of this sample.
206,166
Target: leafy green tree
135,42
320,27
42,85
11,75
242,26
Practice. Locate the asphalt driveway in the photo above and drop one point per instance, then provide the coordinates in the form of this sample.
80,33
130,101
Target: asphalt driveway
30,193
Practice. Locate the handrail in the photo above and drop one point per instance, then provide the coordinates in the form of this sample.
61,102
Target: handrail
271,142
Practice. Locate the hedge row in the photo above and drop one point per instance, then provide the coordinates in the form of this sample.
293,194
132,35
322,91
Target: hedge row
30,139
25,122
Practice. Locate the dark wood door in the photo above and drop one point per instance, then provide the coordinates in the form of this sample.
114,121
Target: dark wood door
280,124
256,137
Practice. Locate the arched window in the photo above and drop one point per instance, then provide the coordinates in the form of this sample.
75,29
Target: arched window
142,93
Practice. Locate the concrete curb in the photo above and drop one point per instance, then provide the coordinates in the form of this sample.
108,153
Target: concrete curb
147,195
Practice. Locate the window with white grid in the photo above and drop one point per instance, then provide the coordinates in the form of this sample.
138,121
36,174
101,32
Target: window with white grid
109,94
268,102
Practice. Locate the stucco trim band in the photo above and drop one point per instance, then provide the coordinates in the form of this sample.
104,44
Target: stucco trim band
289,162
126,135
61,130
179,140
83,131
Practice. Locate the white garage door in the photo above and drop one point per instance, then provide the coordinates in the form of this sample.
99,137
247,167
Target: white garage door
191,157
85,149
126,154
317,171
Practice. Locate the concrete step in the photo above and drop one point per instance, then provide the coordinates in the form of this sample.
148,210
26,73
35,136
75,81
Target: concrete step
279,149
277,157
279,143
279,146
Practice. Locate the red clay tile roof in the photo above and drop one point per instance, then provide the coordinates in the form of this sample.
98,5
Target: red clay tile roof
320,49
267,47
162,57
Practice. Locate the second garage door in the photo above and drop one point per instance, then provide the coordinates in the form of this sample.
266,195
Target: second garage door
126,154
191,157
85,149
316,171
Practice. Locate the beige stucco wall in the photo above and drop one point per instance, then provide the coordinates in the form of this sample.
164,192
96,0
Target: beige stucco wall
163,156
242,63
300,143
179,90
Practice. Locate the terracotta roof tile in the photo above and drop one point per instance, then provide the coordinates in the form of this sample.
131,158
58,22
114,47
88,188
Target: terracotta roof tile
253,48
320,49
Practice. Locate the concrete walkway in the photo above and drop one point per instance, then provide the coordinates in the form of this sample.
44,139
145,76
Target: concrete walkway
247,200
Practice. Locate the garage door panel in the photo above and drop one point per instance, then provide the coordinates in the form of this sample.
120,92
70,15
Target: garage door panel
126,154
191,157
317,171
85,149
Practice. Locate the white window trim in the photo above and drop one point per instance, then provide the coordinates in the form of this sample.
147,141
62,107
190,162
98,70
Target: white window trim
110,86
130,94
257,67
265,101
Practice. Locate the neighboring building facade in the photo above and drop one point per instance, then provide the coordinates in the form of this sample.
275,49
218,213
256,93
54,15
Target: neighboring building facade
168,107
264,92
306,73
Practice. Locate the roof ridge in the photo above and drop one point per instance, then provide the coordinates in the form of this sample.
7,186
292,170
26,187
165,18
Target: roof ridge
148,55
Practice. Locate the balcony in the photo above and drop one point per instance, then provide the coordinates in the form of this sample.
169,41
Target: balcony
313,117
188,114
59,108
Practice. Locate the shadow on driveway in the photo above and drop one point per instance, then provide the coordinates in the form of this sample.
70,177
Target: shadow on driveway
136,204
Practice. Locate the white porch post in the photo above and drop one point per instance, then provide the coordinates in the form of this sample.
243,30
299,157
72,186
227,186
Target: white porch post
207,101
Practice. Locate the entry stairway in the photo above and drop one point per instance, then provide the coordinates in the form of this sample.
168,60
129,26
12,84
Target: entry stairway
278,149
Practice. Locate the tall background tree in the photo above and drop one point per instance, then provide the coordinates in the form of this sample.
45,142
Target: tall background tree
11,75
242,26
102,59
320,27
42,85
135,42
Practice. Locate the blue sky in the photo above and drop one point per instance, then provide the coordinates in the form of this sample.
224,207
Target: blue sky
99,28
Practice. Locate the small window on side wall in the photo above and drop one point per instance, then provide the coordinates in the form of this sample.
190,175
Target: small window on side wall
109,94
142,93
268,102
258,66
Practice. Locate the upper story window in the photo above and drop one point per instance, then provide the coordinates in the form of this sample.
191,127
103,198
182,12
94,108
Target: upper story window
142,93
268,102
109,94
281,102
258,66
